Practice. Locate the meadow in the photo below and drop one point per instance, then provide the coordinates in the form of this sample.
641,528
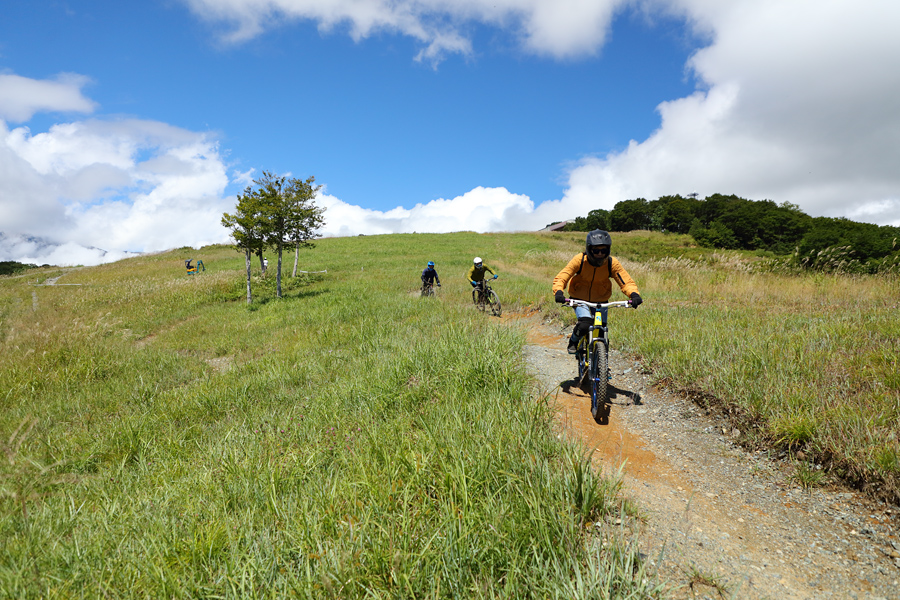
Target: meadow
806,364
163,438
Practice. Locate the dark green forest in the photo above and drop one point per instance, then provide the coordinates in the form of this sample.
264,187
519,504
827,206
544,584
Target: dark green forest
10,267
731,222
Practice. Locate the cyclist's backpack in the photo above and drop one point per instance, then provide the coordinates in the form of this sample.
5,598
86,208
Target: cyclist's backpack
608,264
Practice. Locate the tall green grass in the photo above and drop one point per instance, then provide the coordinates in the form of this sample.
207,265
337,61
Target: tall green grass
160,438
805,361
349,440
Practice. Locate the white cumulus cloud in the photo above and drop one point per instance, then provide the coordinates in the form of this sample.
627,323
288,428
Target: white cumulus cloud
21,97
798,104
559,28
91,191
481,209
796,99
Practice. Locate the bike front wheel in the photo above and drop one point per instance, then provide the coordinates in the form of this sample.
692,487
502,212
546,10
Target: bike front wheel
599,380
493,300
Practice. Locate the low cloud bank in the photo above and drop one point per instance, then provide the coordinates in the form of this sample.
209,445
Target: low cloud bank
482,209
96,190
37,251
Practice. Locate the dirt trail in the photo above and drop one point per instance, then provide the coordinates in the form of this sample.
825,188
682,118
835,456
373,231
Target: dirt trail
718,521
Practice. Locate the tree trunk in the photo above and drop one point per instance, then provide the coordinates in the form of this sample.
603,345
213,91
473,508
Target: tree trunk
278,275
262,264
296,258
249,296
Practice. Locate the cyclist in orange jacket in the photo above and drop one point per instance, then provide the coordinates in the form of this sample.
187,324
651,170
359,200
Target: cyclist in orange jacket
587,275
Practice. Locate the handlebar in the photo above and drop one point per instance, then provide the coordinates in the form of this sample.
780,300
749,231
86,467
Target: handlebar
620,303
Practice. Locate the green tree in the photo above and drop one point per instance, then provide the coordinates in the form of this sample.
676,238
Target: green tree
782,226
305,217
276,212
729,221
10,267
629,215
717,235
677,213
597,219
247,229
287,213
577,224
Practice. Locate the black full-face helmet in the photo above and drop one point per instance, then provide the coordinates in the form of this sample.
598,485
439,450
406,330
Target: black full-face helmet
597,247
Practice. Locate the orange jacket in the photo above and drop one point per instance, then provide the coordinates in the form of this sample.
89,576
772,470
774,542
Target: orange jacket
590,283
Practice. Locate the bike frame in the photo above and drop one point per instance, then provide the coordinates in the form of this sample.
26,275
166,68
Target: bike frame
484,287
598,324
597,334
482,293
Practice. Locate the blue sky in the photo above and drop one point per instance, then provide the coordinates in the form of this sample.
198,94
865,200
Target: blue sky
131,126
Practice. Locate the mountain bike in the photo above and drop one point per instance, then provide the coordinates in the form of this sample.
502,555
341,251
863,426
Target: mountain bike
592,354
428,289
484,297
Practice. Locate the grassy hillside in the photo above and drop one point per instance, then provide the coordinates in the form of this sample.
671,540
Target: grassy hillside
807,364
162,439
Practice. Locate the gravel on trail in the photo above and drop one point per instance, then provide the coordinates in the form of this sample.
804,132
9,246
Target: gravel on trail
714,519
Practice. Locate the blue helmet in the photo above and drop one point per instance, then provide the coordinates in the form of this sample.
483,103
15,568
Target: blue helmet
430,263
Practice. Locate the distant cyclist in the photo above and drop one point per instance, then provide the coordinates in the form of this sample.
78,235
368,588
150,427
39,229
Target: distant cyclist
588,275
477,273
430,276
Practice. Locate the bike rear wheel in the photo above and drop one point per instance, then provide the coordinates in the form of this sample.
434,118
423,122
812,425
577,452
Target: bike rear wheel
478,298
493,300
599,380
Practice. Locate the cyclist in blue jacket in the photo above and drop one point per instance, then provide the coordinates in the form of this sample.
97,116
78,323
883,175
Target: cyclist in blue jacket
429,275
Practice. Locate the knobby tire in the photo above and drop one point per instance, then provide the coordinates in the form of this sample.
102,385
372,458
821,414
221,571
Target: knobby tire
599,380
494,300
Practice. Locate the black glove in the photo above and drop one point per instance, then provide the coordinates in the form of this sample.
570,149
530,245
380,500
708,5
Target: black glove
559,297
636,299
439,284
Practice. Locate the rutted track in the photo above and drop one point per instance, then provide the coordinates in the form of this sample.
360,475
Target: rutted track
728,521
